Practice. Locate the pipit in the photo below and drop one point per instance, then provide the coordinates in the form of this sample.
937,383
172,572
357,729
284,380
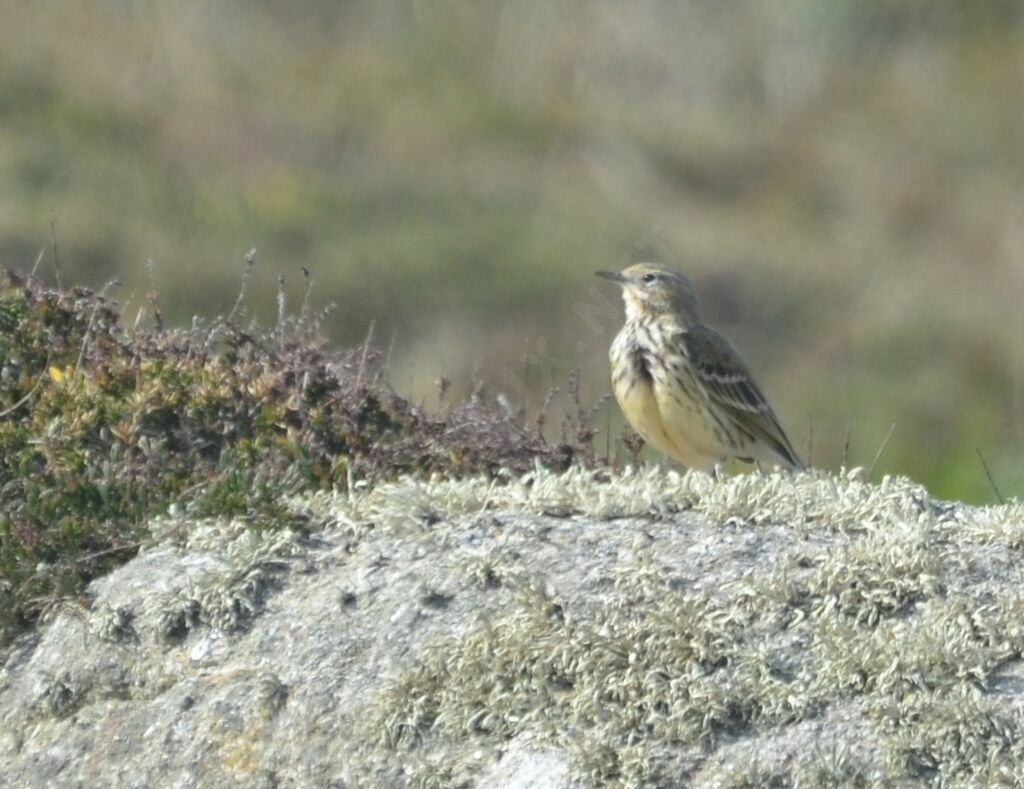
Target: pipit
681,385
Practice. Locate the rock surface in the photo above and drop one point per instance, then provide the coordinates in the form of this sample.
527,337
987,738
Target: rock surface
551,631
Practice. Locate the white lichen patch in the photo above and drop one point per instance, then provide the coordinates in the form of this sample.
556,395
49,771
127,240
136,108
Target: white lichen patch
842,502
240,564
1003,525
114,624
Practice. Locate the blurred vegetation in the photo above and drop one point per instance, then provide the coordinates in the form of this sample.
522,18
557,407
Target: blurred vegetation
842,180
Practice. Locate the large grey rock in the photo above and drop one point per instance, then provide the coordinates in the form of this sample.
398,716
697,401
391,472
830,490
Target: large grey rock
553,631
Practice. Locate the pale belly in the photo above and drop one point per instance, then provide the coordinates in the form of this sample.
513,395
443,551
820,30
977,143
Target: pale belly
669,426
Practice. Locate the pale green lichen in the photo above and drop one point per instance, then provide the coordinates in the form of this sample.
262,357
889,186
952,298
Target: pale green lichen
842,502
958,736
57,695
115,624
230,591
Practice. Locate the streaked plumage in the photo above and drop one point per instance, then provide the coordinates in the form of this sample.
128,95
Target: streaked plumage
681,385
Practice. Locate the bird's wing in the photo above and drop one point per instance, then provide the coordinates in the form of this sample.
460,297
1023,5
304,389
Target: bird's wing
729,384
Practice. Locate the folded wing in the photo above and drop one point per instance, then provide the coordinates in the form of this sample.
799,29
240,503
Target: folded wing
731,386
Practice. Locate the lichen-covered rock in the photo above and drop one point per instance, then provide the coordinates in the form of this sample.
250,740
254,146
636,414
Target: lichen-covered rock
561,630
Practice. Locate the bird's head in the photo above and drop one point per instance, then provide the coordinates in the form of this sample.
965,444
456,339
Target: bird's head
651,290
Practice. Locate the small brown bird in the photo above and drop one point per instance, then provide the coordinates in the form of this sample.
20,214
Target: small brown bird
681,385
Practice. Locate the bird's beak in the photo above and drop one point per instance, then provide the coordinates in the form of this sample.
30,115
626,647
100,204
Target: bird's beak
614,276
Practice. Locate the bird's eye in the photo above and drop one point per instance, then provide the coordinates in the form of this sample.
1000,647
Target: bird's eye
648,278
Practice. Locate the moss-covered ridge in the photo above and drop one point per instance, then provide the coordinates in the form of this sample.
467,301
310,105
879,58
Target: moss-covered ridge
881,623
103,427
637,629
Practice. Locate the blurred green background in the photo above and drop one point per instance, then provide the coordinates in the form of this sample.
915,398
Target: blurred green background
844,181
